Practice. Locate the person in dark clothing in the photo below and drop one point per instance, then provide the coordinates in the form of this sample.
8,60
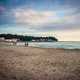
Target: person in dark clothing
26,44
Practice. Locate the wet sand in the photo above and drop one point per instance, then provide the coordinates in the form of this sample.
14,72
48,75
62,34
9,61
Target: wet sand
28,63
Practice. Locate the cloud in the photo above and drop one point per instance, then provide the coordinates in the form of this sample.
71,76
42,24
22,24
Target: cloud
33,17
6,17
73,3
2,9
47,20
65,16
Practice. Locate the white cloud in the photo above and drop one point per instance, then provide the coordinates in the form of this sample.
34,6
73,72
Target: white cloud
47,20
32,17
73,19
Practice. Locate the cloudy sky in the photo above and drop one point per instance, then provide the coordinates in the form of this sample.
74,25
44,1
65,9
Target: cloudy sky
60,18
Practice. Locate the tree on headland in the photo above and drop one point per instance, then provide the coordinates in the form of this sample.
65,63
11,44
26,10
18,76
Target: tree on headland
25,39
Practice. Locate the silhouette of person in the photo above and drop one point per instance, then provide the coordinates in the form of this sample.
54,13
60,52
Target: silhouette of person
26,44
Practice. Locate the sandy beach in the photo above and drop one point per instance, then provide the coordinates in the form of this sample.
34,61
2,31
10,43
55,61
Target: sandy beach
30,63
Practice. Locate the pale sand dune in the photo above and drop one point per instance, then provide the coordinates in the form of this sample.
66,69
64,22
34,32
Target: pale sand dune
28,63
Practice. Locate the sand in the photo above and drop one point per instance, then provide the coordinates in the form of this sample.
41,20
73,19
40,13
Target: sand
29,63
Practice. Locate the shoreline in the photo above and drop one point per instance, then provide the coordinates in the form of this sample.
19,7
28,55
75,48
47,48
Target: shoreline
4,44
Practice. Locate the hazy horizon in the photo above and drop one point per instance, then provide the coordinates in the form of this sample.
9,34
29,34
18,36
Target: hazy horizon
59,18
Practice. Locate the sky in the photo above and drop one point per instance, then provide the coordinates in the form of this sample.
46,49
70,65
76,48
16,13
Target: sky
59,18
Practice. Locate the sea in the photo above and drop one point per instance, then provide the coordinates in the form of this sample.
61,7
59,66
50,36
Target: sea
60,44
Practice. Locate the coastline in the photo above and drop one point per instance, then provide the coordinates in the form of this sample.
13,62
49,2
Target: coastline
68,45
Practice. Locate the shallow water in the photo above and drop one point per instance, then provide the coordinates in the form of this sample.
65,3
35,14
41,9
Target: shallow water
65,44
61,44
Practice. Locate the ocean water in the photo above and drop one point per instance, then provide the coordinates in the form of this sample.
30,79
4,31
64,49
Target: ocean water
61,44
64,44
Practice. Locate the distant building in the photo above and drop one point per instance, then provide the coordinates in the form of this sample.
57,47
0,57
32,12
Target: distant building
42,39
11,40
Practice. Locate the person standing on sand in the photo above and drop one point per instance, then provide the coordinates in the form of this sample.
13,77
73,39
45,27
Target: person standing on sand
26,44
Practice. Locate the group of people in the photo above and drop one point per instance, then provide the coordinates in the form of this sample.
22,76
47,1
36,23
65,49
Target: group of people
26,44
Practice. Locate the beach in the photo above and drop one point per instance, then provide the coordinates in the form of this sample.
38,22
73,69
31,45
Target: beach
31,63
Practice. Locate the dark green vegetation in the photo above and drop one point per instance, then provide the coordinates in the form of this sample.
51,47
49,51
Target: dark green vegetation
28,38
